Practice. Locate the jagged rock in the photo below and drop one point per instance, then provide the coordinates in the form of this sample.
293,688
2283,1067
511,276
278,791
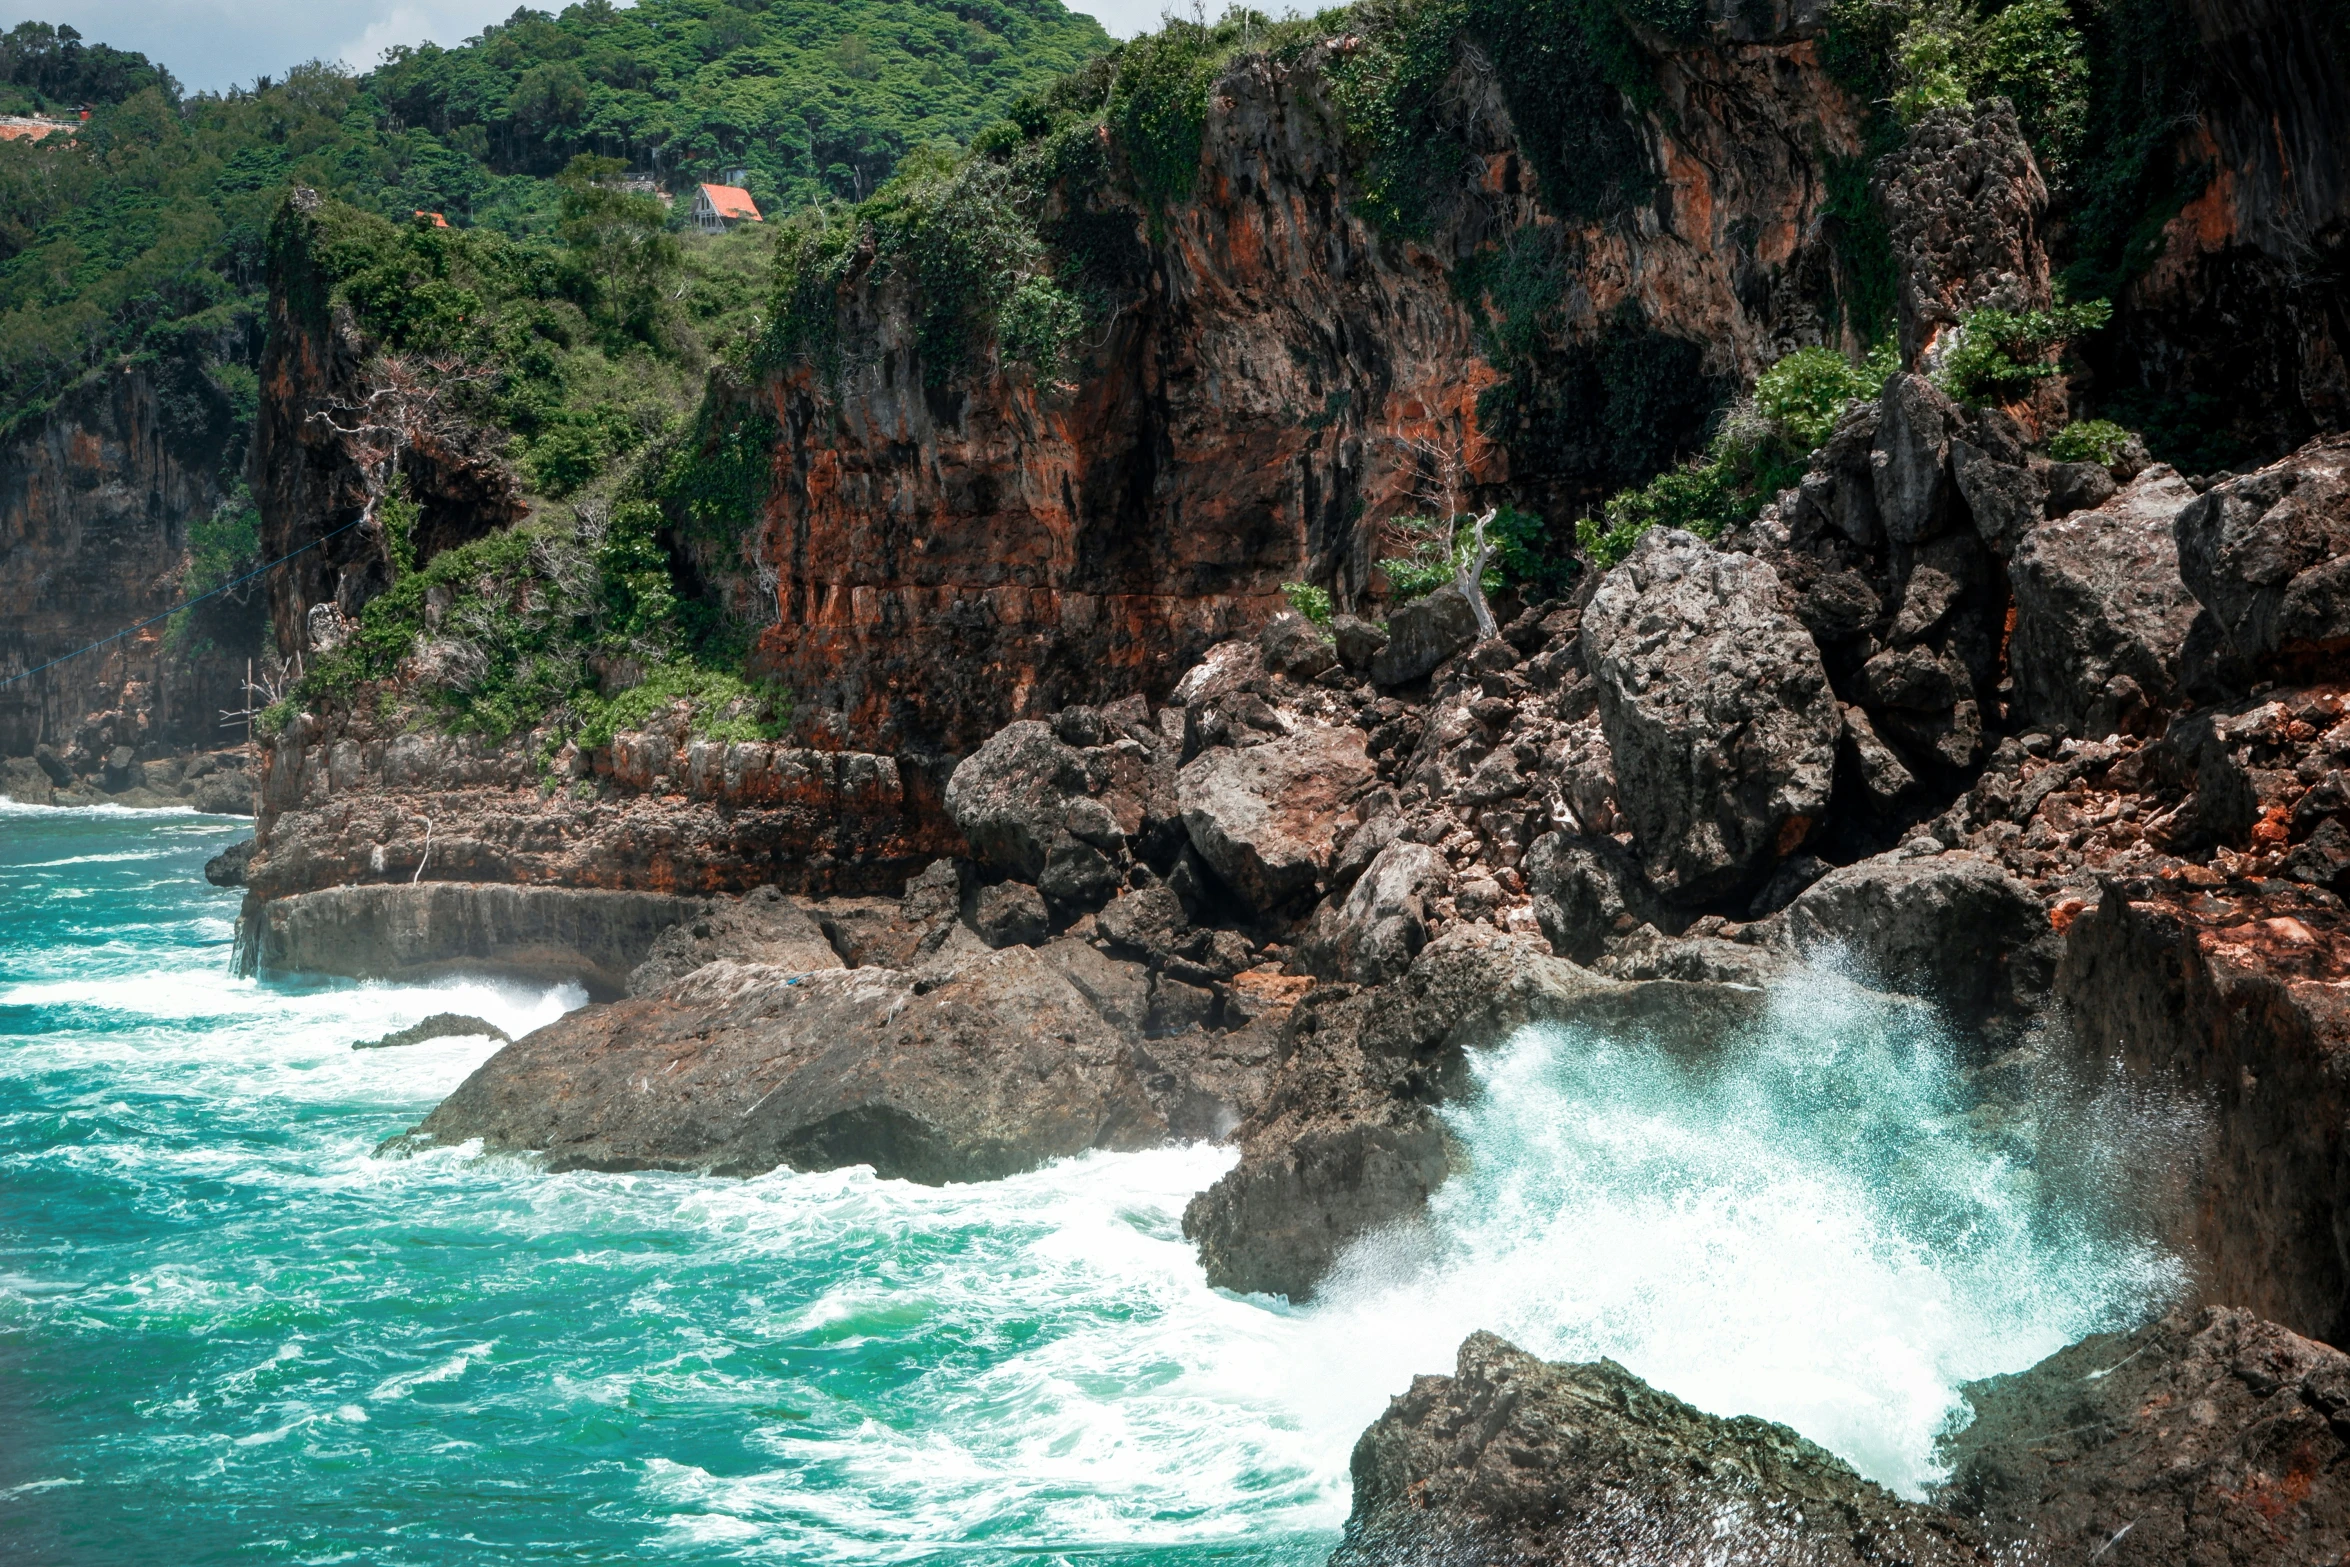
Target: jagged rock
1916,424
1795,873
227,868
1964,201
2236,1007
1009,914
2323,858
999,1066
418,931
1360,847
1838,489
1266,818
2099,601
223,793
1883,779
123,771
441,1025
1296,647
1583,892
2007,500
1953,928
2269,553
1375,933
1358,641
1513,1460
47,759
2078,486
1423,634
1717,713
2208,1436
762,926
1648,953
1011,798
1150,923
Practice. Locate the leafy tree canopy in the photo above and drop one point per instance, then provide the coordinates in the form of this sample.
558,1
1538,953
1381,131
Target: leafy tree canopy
143,233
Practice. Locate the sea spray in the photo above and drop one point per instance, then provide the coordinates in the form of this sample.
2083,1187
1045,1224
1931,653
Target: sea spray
1822,1223
225,1324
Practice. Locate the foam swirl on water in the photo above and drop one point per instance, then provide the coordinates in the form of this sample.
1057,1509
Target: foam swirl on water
226,1329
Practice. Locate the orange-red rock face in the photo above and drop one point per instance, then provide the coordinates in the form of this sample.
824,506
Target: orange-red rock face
947,561
2245,302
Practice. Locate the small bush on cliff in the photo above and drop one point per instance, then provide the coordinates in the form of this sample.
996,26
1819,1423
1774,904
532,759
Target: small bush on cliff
1757,450
961,234
1522,556
517,631
2089,440
1998,354
1915,56
1804,394
1308,600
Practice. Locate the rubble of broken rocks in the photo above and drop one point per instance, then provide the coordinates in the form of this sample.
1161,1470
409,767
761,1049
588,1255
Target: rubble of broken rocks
2064,751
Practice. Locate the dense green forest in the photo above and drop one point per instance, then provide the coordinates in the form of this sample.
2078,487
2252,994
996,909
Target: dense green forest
144,232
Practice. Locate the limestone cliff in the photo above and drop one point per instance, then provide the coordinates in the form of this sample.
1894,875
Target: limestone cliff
947,560
97,503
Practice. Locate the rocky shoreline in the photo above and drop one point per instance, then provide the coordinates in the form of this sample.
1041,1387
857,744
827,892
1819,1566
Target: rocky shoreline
1285,907
1078,841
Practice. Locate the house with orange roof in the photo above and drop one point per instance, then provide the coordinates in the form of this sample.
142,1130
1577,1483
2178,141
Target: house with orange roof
721,207
436,219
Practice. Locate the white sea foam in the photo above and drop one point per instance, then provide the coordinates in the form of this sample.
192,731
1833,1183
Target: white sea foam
1805,1230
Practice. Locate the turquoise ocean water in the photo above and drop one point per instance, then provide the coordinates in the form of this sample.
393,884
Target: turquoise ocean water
229,1333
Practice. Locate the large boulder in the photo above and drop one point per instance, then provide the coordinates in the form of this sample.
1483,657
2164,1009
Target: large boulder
2101,613
1422,635
1265,818
2269,553
999,1065
1513,1460
2188,995
1011,797
2208,1436
1953,928
762,926
1717,712
1373,934
1915,492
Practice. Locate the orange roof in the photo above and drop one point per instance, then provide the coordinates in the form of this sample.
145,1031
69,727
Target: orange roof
438,221
731,202
21,127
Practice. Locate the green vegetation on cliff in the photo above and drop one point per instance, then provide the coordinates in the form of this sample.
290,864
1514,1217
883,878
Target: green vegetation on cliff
142,235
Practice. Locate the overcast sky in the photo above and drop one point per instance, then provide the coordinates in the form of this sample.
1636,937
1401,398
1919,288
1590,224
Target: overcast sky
214,44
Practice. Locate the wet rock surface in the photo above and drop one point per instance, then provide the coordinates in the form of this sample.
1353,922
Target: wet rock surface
2209,1436
1516,1460
993,1067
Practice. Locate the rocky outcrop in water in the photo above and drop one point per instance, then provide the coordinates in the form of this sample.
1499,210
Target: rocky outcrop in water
966,1063
1514,1460
547,935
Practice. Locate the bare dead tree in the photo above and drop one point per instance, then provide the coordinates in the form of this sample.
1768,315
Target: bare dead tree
1441,478
404,400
